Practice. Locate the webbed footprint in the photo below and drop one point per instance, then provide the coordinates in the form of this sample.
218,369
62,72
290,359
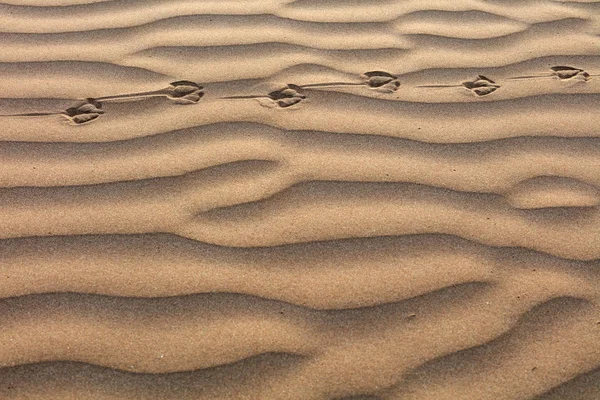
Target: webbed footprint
82,112
378,80
561,72
285,97
179,92
480,86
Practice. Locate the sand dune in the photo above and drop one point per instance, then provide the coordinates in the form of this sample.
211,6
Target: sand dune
299,199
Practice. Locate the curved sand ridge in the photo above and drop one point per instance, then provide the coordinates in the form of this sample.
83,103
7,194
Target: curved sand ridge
267,221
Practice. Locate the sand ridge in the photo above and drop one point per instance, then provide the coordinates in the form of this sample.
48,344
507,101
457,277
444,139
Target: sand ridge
299,199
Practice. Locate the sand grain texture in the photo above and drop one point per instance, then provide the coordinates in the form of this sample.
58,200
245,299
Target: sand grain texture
300,199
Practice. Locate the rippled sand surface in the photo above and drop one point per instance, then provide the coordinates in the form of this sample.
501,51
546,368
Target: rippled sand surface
300,199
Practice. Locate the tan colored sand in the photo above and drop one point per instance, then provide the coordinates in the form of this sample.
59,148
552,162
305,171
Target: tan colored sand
417,242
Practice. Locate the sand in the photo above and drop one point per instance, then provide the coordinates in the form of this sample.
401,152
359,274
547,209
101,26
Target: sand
300,199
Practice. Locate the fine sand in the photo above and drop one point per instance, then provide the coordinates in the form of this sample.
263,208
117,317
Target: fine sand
300,199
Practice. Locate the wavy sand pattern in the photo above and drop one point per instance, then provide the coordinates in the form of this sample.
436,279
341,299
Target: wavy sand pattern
300,199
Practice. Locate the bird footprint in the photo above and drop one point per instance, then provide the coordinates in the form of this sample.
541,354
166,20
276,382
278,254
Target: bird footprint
561,72
180,92
379,80
285,97
480,86
82,112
